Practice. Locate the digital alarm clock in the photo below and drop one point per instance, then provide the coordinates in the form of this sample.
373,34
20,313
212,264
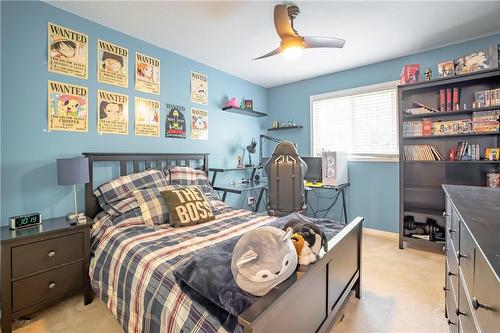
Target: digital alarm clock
23,221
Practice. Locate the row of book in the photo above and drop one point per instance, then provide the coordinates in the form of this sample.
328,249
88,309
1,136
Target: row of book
481,122
467,152
449,99
486,121
421,153
485,98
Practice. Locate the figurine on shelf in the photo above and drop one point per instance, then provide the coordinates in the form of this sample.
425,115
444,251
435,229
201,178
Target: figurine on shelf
232,103
428,74
275,124
240,162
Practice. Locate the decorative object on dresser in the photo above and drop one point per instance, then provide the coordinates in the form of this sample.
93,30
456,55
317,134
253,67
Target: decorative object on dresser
442,145
25,221
42,265
472,281
73,171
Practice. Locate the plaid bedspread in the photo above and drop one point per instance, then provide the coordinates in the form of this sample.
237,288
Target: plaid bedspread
132,268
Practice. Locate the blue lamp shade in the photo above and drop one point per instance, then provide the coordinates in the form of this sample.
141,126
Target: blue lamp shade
72,171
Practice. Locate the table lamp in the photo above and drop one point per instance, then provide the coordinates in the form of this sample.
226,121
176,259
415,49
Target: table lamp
73,171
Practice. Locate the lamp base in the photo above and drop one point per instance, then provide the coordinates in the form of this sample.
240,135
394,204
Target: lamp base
73,216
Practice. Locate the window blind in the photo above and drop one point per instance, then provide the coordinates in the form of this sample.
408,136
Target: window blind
363,124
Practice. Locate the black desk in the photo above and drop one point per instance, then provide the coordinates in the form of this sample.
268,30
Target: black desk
239,188
339,191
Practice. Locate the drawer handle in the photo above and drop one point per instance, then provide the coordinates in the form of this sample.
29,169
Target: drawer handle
459,255
458,313
450,322
51,254
52,285
450,273
445,214
450,230
476,305
445,289
445,250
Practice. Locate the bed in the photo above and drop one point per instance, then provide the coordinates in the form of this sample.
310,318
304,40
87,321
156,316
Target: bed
132,266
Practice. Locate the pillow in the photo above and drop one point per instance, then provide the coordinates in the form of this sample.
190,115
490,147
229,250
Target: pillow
152,204
121,207
188,176
187,206
122,187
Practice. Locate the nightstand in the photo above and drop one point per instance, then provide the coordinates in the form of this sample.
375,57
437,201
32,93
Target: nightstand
42,265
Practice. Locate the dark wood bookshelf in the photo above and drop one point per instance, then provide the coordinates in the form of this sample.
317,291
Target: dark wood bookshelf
284,128
420,182
449,113
245,112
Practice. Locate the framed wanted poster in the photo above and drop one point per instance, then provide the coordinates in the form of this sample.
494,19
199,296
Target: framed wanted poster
67,51
112,113
112,64
175,122
199,88
67,107
147,74
147,117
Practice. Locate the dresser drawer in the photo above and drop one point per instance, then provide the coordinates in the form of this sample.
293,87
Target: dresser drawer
451,307
452,275
465,318
31,258
466,257
452,231
45,286
486,294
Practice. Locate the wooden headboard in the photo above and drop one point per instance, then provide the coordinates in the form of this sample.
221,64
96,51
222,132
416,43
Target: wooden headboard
139,162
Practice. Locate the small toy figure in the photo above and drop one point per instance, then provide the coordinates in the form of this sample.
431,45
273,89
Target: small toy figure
308,240
428,74
240,163
232,103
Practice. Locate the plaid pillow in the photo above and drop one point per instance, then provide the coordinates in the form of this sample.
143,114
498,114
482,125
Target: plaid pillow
188,176
122,187
153,208
121,207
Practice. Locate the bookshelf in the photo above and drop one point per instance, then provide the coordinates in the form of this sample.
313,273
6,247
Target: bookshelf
421,196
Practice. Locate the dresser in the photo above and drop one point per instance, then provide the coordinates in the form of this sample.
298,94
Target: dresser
472,283
41,265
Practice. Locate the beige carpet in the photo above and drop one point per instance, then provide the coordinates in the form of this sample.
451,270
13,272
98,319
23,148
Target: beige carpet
402,292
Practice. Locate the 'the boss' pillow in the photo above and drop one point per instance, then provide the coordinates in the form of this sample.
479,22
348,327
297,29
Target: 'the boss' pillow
187,206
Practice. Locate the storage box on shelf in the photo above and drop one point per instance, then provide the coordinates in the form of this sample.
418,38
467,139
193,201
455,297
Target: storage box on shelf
443,147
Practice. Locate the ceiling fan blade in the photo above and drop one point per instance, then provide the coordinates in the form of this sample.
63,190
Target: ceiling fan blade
270,54
314,42
282,22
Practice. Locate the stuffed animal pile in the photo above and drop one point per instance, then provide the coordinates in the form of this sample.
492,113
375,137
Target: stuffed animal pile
308,239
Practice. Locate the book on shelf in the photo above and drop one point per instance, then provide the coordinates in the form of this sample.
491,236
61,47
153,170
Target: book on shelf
486,121
486,98
442,100
420,108
451,127
456,99
467,152
449,99
421,153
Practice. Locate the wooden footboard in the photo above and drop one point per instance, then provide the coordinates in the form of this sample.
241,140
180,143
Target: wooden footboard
311,298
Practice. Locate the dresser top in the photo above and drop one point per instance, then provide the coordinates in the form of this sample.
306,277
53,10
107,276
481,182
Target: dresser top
48,226
479,209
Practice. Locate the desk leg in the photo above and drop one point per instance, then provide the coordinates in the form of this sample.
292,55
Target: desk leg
256,209
224,196
213,177
344,208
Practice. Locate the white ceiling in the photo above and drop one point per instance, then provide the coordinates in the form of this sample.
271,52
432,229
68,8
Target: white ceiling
227,35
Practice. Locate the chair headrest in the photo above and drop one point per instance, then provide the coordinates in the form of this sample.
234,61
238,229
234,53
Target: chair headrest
285,148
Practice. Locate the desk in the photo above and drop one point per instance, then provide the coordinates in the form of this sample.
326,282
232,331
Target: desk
216,170
340,191
239,188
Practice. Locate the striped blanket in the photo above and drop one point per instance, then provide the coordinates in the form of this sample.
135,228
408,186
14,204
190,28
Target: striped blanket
133,264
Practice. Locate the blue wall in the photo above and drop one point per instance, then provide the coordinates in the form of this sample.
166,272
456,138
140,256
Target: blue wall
29,152
374,191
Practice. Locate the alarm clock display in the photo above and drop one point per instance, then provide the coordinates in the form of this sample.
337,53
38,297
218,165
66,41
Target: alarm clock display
23,221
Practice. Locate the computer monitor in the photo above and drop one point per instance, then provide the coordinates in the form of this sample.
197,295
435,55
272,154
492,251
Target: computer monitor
314,169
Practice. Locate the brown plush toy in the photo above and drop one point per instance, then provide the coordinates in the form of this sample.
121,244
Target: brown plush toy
298,242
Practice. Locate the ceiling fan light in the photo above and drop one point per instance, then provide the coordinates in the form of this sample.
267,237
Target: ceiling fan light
292,48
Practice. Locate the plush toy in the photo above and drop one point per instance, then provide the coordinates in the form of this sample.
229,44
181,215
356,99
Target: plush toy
232,103
314,240
263,258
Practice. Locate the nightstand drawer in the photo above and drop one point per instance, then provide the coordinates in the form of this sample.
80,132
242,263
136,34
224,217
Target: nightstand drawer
31,258
45,286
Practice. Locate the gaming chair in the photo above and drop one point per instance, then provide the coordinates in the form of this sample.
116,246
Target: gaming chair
285,171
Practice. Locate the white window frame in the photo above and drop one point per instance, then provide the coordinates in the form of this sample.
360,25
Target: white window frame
356,91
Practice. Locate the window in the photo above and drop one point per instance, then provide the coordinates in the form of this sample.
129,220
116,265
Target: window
361,121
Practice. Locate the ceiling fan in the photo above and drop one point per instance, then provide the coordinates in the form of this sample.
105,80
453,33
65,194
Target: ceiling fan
292,44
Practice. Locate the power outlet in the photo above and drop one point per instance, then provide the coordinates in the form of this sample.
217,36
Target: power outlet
251,201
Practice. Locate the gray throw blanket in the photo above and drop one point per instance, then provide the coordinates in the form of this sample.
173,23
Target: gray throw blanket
208,280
